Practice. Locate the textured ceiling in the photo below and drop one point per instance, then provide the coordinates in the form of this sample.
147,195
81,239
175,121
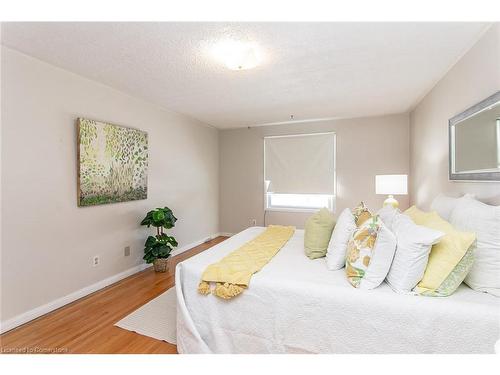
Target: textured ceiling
310,70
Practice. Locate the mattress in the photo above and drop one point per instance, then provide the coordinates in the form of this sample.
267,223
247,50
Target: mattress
296,305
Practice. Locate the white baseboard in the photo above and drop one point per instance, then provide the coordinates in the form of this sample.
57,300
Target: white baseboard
51,306
180,250
184,248
60,302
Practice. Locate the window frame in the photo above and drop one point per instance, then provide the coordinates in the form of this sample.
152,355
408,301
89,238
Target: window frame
332,197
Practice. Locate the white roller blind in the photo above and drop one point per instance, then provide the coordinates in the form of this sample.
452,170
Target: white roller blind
300,164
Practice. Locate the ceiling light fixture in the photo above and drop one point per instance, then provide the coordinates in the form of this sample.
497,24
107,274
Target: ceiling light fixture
237,55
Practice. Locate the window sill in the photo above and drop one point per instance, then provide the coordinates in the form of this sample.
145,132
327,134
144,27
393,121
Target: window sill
290,209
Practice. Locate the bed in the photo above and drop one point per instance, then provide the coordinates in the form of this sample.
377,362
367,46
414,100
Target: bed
296,305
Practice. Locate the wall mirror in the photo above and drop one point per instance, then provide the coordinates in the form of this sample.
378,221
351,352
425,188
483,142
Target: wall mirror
475,142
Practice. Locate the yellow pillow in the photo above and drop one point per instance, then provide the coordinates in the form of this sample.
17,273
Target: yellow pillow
317,234
446,254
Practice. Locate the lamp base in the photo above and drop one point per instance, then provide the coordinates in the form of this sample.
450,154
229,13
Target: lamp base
390,201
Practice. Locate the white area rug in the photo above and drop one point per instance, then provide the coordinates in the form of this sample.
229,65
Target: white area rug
157,318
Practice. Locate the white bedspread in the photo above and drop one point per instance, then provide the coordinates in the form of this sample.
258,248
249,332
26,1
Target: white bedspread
296,305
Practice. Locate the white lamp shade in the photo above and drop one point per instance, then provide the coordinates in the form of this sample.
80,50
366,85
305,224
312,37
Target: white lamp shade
396,184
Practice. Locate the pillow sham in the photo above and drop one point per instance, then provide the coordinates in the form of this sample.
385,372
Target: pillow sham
369,254
445,256
445,205
318,230
337,247
413,245
484,220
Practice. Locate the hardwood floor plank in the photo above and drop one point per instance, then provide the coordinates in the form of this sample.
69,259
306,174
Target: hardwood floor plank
87,325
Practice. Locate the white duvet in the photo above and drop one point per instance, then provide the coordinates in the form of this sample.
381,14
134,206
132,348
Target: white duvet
296,305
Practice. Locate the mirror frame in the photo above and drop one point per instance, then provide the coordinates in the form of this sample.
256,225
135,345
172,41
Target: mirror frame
470,176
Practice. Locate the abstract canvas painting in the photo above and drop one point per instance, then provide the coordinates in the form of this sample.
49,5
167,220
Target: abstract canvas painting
112,162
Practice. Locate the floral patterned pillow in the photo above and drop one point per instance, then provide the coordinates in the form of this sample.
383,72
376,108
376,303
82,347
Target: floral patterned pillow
363,270
361,213
455,278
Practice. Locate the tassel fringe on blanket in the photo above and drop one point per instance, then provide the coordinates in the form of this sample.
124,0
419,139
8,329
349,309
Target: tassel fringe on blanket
222,290
232,274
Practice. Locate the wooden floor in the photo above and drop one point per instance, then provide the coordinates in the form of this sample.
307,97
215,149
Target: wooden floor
87,325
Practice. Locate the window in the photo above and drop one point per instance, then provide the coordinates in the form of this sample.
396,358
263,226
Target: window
498,142
299,172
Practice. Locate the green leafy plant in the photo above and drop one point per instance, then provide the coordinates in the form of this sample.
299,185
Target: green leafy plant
161,245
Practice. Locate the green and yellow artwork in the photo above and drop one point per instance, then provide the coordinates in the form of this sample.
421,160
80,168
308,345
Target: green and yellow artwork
113,163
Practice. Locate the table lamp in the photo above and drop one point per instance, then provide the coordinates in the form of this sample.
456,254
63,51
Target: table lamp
391,184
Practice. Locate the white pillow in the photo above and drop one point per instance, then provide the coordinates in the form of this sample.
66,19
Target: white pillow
444,205
484,220
345,226
380,263
387,214
413,247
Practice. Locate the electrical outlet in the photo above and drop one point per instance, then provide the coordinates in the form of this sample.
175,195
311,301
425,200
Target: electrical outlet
96,260
126,251
254,222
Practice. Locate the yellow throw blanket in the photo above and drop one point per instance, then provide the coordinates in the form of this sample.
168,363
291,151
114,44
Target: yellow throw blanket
233,272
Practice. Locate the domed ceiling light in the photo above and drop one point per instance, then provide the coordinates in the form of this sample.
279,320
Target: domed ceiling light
237,55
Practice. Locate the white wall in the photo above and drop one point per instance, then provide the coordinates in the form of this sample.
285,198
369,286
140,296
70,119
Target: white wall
48,242
365,147
475,77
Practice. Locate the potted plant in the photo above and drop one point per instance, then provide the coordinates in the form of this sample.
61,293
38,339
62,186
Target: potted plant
157,248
